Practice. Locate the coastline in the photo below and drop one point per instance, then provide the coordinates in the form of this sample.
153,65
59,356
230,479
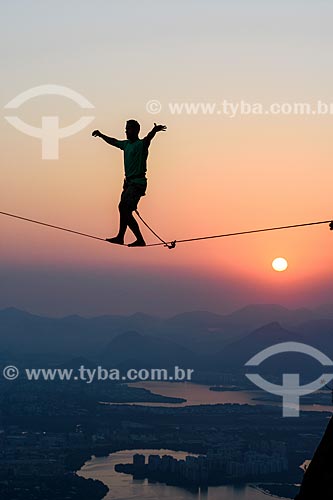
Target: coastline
274,490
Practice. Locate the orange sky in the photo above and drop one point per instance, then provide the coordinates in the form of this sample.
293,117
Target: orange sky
207,174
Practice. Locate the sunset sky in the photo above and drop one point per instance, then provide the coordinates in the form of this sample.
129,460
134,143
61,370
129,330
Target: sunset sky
207,174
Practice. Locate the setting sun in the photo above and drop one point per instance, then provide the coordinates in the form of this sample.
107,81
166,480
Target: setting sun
279,264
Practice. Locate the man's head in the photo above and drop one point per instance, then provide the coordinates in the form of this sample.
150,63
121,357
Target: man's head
132,130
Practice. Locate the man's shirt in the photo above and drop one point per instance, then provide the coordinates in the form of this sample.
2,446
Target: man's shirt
135,160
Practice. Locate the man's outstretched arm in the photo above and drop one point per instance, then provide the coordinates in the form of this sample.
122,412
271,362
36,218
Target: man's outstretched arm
109,140
153,132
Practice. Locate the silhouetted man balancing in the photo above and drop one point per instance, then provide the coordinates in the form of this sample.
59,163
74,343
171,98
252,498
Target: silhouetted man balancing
135,184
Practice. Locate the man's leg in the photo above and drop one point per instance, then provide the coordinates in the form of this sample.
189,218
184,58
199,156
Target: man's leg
129,201
135,193
127,219
123,222
134,227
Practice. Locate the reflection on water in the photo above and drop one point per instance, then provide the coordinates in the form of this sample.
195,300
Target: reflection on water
197,394
123,487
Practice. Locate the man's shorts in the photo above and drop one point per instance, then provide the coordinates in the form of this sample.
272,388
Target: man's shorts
131,194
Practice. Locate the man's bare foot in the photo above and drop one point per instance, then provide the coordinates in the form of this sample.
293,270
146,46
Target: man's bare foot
138,243
116,240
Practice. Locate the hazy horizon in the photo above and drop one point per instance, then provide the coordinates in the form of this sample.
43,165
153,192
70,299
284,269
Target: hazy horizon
225,312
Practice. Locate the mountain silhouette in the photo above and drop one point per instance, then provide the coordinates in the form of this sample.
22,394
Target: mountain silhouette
236,354
146,350
199,338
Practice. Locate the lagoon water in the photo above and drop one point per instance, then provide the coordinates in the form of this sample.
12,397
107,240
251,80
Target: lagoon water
124,487
198,394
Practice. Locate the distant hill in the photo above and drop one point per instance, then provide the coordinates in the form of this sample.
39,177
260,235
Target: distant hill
235,355
198,338
318,333
144,351
325,310
256,315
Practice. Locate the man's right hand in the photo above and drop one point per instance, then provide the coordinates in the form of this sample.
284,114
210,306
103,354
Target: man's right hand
96,133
